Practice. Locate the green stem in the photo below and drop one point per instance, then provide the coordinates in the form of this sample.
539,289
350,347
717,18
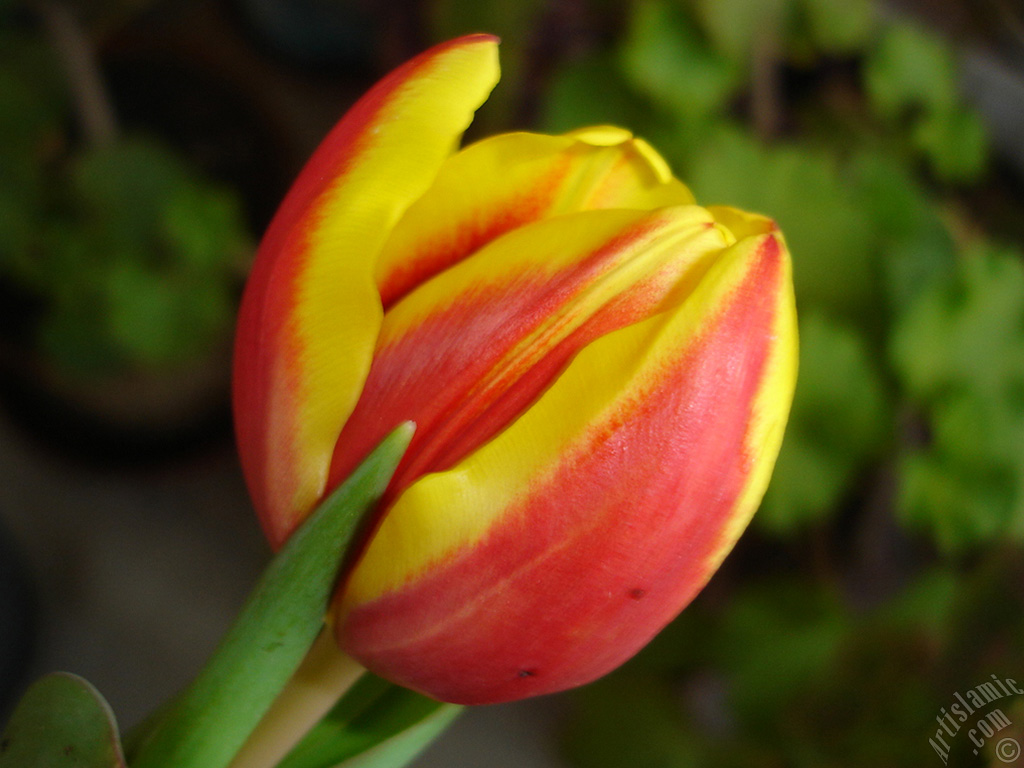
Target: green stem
212,719
324,677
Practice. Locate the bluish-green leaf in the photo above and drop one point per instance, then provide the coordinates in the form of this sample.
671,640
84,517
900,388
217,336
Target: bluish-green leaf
61,722
212,719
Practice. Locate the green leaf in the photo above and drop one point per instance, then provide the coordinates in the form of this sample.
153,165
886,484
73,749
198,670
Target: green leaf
21,183
665,59
589,91
630,720
33,93
840,421
912,264
779,638
203,227
159,317
955,142
209,723
72,333
833,245
734,25
916,247
966,333
839,26
375,725
926,606
889,193
959,508
61,722
910,68
124,187
959,352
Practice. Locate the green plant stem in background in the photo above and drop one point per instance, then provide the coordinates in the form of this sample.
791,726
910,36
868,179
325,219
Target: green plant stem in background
210,722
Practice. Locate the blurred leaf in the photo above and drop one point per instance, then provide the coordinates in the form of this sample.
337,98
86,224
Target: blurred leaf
664,57
959,350
123,187
20,216
375,725
926,605
590,91
839,26
61,722
734,25
955,143
203,227
966,333
910,68
32,93
830,236
840,421
958,506
916,247
917,261
142,195
779,636
72,335
159,318
139,270
629,720
893,199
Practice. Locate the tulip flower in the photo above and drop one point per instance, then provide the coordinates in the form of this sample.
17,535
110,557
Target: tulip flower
599,369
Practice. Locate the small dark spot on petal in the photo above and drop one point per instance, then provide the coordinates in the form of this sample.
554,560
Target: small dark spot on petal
637,593
527,672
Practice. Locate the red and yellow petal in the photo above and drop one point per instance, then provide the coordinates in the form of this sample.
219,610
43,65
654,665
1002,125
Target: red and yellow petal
465,353
311,313
506,181
554,552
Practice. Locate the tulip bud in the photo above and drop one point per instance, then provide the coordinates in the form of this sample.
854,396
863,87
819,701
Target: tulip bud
600,372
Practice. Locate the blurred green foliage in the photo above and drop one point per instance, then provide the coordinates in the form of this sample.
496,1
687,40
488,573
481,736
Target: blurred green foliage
881,574
132,256
958,352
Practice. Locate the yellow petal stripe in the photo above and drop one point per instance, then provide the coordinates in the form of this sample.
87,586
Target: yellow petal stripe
316,312
464,352
509,180
447,512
